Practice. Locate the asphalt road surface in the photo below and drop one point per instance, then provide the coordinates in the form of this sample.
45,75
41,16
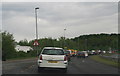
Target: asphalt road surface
76,66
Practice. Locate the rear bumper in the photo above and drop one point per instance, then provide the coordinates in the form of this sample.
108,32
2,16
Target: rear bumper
44,65
80,56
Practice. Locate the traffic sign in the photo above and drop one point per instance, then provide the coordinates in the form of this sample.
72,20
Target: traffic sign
35,43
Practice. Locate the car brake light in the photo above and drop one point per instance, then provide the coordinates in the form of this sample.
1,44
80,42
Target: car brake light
65,58
41,57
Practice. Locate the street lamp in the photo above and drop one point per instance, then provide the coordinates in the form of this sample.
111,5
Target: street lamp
78,44
64,37
64,32
86,44
36,22
36,27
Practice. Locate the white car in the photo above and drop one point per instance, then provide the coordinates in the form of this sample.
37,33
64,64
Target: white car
86,54
104,52
52,57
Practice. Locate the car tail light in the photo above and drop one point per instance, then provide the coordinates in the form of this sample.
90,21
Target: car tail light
40,57
65,58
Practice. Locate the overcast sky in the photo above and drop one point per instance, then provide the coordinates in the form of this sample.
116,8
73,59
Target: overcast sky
79,18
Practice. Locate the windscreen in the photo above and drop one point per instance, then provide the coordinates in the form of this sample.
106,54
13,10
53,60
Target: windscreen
53,52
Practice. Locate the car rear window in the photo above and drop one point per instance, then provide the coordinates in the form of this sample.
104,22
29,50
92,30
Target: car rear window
53,52
67,52
80,53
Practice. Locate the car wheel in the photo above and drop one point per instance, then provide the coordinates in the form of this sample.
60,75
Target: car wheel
40,69
65,70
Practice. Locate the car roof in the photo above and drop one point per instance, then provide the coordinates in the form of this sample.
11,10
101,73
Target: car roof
52,48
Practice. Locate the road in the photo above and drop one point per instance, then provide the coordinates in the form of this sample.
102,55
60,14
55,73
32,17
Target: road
76,66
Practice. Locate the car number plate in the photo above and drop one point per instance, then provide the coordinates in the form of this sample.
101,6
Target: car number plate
52,61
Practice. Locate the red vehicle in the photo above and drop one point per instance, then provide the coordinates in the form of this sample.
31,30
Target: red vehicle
67,53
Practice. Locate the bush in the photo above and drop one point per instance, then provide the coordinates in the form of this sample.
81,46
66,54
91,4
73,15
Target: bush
8,46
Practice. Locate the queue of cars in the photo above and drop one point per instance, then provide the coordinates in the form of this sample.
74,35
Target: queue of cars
55,58
58,58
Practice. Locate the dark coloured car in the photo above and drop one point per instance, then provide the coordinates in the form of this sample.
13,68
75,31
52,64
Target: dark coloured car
80,54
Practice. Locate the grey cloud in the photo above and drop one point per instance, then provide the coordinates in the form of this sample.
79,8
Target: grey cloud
78,17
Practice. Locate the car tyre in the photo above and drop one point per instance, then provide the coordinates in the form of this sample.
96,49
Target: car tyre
40,69
65,70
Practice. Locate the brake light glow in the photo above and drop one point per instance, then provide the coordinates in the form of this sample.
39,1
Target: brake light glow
65,58
41,57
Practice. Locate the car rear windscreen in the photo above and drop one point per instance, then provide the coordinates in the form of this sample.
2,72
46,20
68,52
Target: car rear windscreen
53,52
67,52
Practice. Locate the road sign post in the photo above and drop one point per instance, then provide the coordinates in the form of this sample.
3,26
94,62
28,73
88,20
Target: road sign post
36,43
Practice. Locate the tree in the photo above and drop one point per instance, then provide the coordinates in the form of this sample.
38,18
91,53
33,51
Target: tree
24,42
8,46
84,42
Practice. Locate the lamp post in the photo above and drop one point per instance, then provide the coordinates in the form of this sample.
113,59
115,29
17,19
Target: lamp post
86,45
36,27
64,37
78,44
36,22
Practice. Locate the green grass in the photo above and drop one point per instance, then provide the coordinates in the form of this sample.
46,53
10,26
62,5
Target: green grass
21,58
109,54
105,61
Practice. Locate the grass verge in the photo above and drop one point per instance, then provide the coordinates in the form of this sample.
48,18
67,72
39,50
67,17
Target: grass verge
108,54
21,58
105,61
